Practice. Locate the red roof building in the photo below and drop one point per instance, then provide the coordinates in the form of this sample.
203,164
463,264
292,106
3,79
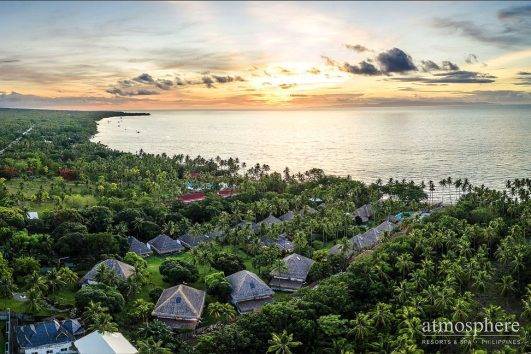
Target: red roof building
192,197
226,192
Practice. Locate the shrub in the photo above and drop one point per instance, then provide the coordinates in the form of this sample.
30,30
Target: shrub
218,285
228,262
176,271
106,295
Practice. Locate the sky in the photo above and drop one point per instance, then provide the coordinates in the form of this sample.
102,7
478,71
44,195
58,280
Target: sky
263,55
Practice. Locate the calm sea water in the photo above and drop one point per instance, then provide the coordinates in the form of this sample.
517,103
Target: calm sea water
485,144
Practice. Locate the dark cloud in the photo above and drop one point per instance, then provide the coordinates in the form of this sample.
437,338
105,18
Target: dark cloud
128,93
284,71
395,61
524,78
515,29
363,68
515,12
392,61
8,61
453,77
145,92
144,79
449,66
164,84
208,81
179,81
428,65
358,48
228,78
329,61
126,83
471,59
313,71
286,86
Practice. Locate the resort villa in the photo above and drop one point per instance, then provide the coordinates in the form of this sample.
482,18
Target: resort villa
180,307
192,197
104,343
48,337
249,292
290,215
139,247
364,241
121,269
364,213
32,215
164,244
282,242
270,220
294,277
191,241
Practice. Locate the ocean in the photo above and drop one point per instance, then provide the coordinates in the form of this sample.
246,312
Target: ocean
486,144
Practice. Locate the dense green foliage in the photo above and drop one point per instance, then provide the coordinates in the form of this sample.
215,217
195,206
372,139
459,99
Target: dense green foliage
176,271
464,262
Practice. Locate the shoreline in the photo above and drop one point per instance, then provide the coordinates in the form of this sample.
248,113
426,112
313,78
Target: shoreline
362,175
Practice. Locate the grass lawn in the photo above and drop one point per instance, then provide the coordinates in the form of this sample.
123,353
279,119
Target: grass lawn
32,185
20,307
155,279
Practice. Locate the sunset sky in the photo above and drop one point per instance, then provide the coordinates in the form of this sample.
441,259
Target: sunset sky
250,55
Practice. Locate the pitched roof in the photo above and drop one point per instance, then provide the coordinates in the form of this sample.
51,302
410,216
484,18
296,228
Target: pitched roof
180,302
192,241
192,197
244,307
47,333
282,242
138,247
370,238
121,269
165,244
270,220
226,192
288,216
365,240
247,286
32,215
307,210
336,249
107,343
364,212
243,224
298,267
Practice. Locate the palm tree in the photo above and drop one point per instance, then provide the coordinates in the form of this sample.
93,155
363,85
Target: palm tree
344,245
149,346
97,318
362,326
221,311
506,285
404,263
141,310
54,280
461,310
282,343
35,301
68,276
381,315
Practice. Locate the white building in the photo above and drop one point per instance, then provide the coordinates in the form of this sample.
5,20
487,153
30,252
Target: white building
106,343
